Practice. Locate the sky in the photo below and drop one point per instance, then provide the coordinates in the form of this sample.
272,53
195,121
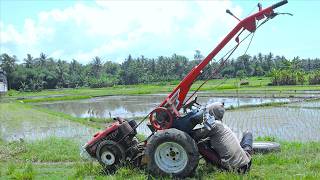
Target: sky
112,30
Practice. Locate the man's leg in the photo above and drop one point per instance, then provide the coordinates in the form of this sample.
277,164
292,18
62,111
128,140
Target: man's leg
204,146
246,142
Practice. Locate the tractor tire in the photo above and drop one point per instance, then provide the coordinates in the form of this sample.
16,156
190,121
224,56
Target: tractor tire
265,147
172,152
110,155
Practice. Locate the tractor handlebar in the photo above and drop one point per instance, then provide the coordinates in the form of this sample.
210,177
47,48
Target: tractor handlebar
279,4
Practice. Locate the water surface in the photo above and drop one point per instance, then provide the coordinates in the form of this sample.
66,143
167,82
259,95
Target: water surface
138,106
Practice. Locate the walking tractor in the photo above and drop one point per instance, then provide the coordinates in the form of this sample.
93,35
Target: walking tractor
171,149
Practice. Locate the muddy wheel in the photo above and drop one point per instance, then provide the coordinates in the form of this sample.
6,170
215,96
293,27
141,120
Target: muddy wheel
265,147
110,155
172,152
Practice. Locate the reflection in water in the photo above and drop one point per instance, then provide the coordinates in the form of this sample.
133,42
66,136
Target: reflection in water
292,122
138,106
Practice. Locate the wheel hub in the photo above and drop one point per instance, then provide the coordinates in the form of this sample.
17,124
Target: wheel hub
108,158
171,157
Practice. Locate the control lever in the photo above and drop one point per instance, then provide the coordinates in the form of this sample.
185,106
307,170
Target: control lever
189,104
276,14
229,12
260,6
279,4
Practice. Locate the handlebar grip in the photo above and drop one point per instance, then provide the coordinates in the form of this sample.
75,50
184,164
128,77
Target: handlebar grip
279,4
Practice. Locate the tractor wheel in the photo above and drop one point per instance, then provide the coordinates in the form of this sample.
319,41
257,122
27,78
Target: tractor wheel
110,155
172,152
265,147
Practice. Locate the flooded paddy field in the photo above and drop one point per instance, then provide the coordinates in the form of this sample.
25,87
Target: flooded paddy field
295,121
286,122
308,104
18,122
30,131
270,93
138,106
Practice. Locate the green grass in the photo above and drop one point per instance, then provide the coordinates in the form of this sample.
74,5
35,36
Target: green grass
48,150
219,86
59,159
22,171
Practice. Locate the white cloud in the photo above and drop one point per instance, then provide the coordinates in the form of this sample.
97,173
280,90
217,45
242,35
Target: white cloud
213,17
120,26
103,49
31,33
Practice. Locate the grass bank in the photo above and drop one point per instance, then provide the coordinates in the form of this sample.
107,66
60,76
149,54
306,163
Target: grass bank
218,86
56,158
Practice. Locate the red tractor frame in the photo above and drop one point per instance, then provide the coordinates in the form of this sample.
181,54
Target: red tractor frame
171,149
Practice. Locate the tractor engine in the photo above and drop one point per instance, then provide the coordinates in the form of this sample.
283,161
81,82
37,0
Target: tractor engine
114,145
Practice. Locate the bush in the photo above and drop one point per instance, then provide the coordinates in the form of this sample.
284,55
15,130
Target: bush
102,82
314,78
287,77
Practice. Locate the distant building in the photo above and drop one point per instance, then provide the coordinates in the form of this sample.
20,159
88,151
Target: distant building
3,82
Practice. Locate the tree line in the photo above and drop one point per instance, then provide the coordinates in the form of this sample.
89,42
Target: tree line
43,72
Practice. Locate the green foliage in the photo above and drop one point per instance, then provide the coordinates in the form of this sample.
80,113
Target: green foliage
287,77
220,86
83,169
314,78
241,74
129,172
103,81
44,72
11,169
26,173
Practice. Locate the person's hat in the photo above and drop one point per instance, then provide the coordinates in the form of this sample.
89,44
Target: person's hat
216,109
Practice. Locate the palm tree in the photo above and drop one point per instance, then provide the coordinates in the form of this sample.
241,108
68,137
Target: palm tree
42,59
29,61
96,66
8,65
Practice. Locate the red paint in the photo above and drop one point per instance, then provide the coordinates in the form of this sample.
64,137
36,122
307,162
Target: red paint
166,124
104,133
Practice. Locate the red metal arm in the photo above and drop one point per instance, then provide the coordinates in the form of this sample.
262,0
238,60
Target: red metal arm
175,100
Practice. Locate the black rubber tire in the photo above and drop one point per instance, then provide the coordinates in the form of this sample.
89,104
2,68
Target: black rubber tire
176,136
265,147
116,149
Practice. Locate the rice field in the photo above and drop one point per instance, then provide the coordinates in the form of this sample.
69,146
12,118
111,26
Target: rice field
19,122
298,121
291,122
